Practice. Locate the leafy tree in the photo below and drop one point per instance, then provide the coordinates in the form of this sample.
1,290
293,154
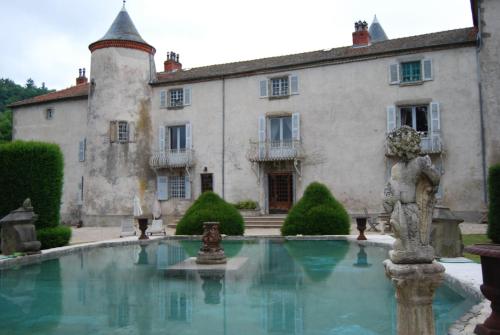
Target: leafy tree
11,92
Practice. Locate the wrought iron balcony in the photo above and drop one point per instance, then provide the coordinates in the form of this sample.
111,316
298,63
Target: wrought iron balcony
429,144
171,158
274,151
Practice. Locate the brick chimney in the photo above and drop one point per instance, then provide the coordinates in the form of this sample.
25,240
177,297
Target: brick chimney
81,77
172,63
360,36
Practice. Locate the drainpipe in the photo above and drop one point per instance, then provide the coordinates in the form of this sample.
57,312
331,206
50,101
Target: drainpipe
481,105
223,134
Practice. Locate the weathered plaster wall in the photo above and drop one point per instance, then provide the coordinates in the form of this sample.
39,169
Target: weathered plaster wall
115,172
343,125
490,77
66,129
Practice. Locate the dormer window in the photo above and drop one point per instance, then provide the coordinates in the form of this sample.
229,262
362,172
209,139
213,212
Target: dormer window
49,113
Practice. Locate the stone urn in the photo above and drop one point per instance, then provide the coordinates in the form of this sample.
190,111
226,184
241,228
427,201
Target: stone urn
18,231
211,251
490,265
361,225
142,220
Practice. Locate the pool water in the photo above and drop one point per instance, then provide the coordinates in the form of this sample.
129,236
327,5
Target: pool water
278,287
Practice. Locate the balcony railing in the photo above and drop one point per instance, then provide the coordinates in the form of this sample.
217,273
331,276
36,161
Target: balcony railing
428,144
274,151
171,158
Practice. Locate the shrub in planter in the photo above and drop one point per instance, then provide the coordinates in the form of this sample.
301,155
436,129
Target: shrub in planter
317,213
246,204
210,207
53,237
494,205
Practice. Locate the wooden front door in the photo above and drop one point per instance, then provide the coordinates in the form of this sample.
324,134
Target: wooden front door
280,192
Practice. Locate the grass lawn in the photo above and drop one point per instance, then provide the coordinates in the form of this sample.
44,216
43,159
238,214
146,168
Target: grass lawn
474,239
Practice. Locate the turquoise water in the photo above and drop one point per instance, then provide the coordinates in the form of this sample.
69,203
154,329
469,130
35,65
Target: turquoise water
293,287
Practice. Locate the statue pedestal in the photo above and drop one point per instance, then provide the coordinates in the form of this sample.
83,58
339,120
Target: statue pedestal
415,286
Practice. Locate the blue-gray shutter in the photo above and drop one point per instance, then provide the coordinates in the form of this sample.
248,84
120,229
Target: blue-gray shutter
394,74
81,150
187,96
163,98
294,85
264,86
427,69
189,136
296,126
161,139
435,117
162,187
391,118
262,136
131,131
187,188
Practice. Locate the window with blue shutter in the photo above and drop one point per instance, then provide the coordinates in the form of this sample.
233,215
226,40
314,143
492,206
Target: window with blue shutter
162,187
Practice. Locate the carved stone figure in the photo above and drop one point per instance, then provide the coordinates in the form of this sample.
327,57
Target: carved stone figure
410,197
211,252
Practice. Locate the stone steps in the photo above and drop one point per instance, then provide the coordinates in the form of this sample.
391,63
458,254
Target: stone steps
264,221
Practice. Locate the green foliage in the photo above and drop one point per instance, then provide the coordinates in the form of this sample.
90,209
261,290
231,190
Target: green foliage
53,237
11,92
317,213
210,207
494,204
32,170
246,204
317,259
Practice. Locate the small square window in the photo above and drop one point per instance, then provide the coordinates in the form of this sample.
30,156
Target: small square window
49,113
176,98
122,131
279,87
410,72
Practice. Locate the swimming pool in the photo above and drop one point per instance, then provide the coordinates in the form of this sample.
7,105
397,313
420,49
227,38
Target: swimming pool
275,287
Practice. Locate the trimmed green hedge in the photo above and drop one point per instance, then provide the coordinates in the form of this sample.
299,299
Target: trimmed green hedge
210,207
246,204
32,170
54,237
317,213
494,204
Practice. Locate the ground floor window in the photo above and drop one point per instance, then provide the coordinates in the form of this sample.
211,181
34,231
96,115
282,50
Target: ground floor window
176,187
207,182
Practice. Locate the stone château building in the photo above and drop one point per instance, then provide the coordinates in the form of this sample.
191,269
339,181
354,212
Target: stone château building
264,129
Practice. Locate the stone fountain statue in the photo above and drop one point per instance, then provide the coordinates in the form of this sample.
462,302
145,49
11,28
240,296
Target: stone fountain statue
410,197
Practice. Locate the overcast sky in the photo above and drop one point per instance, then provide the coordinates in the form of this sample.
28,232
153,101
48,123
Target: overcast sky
48,40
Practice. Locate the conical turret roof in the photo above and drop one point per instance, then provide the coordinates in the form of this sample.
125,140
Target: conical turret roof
122,33
377,33
123,28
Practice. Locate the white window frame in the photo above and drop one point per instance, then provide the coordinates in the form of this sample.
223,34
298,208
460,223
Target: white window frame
281,118
283,86
414,117
178,135
175,97
176,186
122,131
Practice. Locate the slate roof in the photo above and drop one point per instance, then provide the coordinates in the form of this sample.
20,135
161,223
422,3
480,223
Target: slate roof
439,40
73,92
377,33
123,28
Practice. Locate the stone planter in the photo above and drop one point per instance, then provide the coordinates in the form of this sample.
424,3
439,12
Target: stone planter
446,238
490,265
249,212
361,225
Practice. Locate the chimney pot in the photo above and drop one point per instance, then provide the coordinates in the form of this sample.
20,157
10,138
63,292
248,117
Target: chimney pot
360,36
172,63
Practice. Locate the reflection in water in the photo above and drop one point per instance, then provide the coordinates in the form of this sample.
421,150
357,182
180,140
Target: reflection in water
211,286
362,259
304,287
142,257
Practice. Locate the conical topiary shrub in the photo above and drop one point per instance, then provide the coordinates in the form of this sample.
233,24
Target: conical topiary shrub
494,205
209,207
317,213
